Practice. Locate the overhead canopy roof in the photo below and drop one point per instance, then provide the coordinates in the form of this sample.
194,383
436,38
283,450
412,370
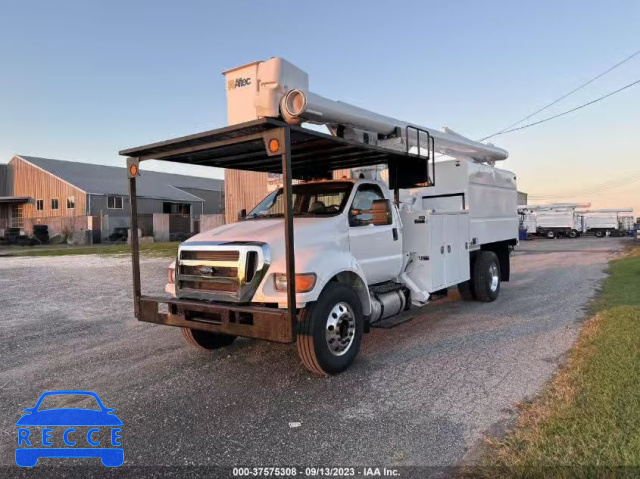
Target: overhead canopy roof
313,153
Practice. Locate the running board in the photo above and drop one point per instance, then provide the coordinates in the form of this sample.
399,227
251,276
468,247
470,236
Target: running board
394,321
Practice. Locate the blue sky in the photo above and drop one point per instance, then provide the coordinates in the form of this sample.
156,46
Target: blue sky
83,79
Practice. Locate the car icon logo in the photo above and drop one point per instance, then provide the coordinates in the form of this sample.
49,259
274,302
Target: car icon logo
69,432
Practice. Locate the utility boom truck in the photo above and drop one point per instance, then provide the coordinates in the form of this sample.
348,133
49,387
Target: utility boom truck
320,261
603,222
552,220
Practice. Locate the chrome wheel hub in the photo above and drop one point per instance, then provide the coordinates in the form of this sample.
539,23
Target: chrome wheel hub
495,279
340,329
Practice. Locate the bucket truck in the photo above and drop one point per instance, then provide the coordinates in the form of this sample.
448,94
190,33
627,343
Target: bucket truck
320,261
552,220
603,222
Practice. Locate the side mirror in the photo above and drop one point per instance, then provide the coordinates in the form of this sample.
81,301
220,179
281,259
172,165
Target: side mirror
381,210
243,214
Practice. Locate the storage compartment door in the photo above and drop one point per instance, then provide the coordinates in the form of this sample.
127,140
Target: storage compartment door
438,252
452,247
464,263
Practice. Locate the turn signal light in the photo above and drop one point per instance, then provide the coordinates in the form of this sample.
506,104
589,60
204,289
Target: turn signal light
274,145
304,282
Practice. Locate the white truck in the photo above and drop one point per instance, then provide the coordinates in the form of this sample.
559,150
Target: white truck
552,220
603,222
360,251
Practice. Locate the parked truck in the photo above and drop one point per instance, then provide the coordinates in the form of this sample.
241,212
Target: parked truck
553,220
603,222
321,261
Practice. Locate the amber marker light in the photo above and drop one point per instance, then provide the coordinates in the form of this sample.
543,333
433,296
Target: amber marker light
274,145
304,282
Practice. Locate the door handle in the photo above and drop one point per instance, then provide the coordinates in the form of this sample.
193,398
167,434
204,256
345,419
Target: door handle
395,234
441,249
448,248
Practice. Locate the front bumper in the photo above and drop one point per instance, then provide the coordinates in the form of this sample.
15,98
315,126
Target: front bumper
269,324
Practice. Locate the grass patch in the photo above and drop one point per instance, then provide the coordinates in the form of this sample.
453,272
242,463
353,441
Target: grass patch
147,249
587,421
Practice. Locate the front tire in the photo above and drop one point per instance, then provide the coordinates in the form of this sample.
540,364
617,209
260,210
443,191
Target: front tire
206,340
573,234
599,234
330,331
486,276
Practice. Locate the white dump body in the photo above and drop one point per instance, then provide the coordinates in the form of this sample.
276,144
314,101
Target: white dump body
556,219
602,221
488,193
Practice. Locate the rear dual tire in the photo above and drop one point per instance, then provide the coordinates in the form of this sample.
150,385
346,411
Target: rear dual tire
484,284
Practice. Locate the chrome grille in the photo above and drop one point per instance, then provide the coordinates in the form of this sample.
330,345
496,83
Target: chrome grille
221,271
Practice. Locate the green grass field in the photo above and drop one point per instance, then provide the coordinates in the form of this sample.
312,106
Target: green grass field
147,249
587,422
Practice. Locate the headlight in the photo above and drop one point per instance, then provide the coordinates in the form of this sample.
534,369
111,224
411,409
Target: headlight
304,282
171,275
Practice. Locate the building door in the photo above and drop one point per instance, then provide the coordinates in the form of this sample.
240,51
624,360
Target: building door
16,216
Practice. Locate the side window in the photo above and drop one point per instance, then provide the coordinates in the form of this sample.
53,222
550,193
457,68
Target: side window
361,210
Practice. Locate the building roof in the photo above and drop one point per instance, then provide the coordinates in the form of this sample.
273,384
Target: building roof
112,180
14,199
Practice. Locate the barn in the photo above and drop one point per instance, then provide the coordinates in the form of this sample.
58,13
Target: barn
36,190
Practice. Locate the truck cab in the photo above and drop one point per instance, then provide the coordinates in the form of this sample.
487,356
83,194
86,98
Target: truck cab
347,230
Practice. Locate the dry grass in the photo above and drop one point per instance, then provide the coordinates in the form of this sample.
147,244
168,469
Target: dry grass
587,421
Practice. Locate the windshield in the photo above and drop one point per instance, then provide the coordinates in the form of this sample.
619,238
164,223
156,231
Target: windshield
75,401
312,199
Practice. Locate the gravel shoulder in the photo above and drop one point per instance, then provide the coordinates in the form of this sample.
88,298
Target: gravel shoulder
423,393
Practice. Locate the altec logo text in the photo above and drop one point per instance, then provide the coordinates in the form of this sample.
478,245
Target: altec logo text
69,432
238,83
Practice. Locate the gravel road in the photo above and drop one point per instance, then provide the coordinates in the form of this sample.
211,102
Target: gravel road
423,393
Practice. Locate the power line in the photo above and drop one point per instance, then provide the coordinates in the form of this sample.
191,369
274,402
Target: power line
613,184
588,192
564,112
504,130
629,178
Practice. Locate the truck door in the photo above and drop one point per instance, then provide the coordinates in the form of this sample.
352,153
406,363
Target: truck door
374,243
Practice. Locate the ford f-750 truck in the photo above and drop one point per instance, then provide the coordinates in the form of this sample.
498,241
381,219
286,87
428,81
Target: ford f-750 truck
321,261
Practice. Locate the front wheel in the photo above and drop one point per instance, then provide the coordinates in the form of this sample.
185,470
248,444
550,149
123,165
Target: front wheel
330,331
573,234
206,340
599,234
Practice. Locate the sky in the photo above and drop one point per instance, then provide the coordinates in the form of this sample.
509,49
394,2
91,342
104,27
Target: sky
81,80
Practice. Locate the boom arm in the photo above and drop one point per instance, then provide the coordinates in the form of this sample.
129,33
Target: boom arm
298,106
275,88
607,210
